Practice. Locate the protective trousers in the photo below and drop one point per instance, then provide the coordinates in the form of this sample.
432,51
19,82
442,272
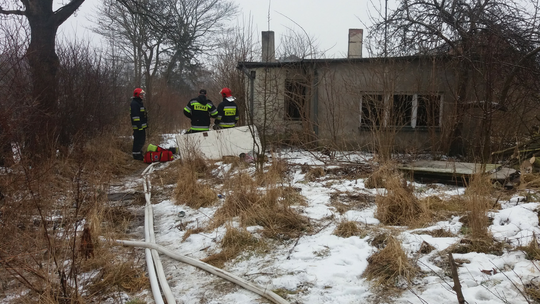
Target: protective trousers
139,137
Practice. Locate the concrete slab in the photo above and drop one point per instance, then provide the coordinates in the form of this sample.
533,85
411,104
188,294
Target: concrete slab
445,171
445,167
216,144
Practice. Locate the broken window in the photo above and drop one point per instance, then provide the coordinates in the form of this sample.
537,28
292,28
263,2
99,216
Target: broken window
429,108
402,106
295,100
372,110
401,110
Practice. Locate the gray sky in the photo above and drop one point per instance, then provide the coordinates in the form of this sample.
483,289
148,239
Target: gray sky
328,21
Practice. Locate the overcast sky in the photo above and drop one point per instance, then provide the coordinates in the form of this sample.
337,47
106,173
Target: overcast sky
328,21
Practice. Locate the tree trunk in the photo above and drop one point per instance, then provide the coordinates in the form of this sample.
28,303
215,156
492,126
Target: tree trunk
44,64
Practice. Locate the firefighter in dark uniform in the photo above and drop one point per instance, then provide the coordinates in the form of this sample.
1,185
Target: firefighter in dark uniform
199,110
139,121
227,111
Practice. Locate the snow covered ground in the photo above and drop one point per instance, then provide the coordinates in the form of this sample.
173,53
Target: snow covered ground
325,268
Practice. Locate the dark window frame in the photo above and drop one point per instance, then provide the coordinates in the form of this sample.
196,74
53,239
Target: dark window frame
403,110
295,100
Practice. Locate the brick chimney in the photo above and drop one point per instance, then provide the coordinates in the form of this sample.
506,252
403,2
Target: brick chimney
355,43
268,48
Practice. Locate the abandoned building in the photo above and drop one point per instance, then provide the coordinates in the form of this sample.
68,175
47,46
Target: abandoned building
399,103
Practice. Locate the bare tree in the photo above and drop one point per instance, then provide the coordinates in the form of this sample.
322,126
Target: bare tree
164,36
467,31
42,57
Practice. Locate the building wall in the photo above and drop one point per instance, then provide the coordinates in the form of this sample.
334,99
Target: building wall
333,101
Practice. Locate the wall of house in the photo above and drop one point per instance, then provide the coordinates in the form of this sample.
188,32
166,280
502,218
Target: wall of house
333,101
341,89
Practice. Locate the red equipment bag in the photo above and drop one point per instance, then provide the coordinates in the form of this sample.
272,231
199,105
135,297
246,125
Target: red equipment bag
158,156
166,155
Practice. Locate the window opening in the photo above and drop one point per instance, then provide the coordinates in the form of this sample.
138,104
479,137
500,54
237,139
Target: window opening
295,100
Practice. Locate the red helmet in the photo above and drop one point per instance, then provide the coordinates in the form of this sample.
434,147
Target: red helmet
138,92
225,92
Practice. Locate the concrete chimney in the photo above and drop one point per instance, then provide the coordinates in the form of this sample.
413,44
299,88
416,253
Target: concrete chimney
355,43
268,48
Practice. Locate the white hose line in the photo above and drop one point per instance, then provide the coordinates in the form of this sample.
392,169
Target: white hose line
150,265
157,261
268,294
152,256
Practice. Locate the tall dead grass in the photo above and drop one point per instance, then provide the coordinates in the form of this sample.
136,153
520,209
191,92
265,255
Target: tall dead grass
399,206
478,202
43,212
346,229
189,190
387,266
269,207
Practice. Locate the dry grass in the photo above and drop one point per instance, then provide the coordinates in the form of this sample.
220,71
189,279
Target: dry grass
54,195
234,242
347,229
192,231
276,216
114,276
480,245
437,233
345,201
314,173
269,208
478,202
274,174
445,209
399,206
533,291
532,251
189,190
529,181
387,266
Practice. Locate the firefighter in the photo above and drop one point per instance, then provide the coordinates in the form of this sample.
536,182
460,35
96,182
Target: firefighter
227,111
199,110
139,121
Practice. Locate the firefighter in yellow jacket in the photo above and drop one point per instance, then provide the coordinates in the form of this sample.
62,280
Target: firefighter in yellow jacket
199,110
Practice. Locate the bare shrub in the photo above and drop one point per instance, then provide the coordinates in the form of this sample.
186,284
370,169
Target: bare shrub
399,206
387,266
